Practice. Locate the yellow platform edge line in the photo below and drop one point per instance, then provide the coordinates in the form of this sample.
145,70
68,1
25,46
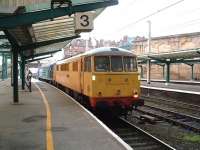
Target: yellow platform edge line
49,137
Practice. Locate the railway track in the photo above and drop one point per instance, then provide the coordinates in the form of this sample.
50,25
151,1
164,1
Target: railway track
137,138
184,120
177,104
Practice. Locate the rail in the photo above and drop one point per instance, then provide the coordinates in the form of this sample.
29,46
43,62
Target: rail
134,136
183,120
175,103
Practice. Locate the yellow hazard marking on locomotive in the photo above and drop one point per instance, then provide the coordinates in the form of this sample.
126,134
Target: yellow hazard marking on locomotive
49,137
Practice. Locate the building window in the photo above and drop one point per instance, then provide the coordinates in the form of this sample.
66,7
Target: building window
57,67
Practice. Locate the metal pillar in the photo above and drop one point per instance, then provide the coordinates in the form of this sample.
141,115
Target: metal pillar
192,74
15,76
149,60
142,72
23,72
4,67
163,71
168,73
1,67
11,69
148,71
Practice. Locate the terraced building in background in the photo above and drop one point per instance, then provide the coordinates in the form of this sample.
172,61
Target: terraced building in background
179,42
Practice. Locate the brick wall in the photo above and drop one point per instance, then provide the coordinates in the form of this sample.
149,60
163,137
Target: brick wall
168,44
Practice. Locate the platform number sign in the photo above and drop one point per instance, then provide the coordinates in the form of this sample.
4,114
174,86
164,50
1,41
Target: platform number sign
84,21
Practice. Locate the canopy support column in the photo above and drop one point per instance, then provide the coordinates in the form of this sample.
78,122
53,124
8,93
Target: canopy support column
15,76
149,71
192,73
163,67
168,72
4,67
141,72
2,61
23,72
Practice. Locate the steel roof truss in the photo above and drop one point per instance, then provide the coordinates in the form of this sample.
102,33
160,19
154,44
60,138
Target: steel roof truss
43,39
198,52
53,35
157,59
42,54
45,43
50,28
39,59
2,36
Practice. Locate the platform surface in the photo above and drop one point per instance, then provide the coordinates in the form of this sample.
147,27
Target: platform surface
172,86
23,126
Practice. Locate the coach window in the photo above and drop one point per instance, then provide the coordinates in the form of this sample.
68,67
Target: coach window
63,67
87,64
116,64
130,64
102,63
67,67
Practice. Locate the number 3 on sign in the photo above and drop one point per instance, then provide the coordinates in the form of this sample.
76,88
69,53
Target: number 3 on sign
84,21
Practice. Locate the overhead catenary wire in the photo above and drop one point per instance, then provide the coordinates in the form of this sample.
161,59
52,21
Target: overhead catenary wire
150,15
143,18
181,25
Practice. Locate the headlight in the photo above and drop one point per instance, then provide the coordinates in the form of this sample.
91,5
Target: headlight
138,77
135,94
93,77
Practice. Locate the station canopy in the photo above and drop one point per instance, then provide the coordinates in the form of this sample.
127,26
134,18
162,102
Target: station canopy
188,56
41,27
4,44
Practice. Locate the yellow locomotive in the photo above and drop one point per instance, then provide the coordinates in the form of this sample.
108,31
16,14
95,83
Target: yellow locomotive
101,78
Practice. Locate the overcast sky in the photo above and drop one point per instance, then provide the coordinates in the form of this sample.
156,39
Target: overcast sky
119,20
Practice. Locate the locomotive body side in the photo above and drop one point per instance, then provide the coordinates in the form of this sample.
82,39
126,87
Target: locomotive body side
68,74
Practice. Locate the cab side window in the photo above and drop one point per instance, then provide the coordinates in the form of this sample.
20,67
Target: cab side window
75,66
87,64
67,67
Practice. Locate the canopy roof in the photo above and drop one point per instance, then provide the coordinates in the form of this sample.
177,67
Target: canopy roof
178,56
39,27
4,44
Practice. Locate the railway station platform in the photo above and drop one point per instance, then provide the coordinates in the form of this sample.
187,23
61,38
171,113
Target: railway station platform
48,119
181,87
